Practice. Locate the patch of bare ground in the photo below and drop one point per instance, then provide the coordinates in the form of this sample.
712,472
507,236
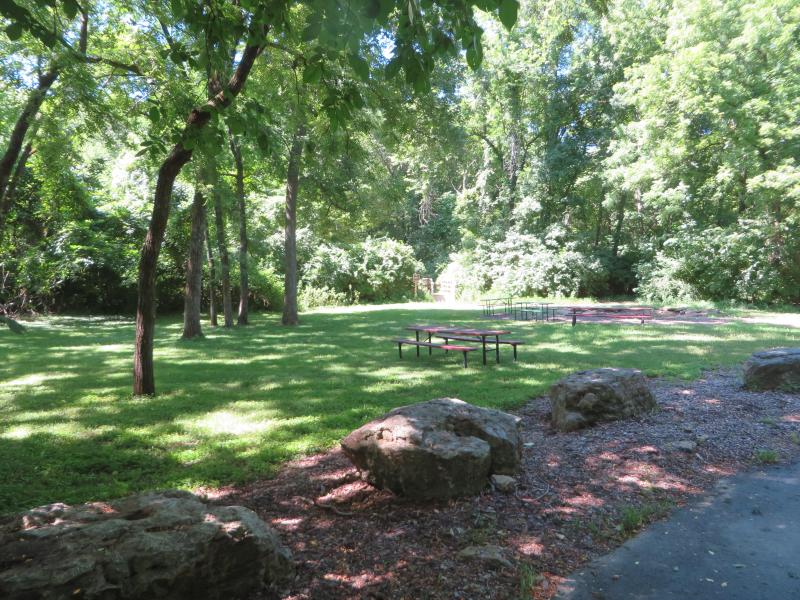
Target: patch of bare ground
579,495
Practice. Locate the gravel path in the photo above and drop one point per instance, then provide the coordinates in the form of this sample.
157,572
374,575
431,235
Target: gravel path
579,496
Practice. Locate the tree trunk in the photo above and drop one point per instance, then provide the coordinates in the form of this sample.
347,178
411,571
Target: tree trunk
194,270
15,142
143,375
290,229
618,228
7,199
244,283
222,243
212,278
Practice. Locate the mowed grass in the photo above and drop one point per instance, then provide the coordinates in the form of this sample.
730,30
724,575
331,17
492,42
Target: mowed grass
235,405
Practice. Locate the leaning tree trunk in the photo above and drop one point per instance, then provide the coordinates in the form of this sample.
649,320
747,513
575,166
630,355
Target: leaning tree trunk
194,270
244,283
212,278
143,374
7,198
222,244
21,127
290,230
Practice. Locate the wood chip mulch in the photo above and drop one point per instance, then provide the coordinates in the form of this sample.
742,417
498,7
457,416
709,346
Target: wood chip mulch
579,495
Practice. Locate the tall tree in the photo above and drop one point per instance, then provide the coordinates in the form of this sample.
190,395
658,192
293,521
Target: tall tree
244,284
290,227
212,180
212,275
194,269
24,19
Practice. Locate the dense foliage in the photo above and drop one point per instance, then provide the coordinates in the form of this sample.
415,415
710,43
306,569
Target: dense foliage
633,147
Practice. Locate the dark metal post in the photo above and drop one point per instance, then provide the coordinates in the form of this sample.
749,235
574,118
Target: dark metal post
574,317
497,348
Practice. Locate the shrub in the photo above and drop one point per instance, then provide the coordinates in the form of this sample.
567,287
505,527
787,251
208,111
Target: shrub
373,270
384,269
266,286
312,297
524,265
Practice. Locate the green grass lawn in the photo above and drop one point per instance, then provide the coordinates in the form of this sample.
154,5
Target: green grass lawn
234,406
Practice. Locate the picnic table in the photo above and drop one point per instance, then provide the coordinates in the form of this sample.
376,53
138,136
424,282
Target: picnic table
464,334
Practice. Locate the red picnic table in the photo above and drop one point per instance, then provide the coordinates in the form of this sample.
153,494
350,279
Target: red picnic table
465,335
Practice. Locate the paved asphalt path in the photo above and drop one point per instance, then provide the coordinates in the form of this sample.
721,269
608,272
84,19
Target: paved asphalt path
742,542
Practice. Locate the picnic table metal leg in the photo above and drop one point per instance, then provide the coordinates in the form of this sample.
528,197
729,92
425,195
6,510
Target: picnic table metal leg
446,351
416,334
574,318
483,343
430,350
515,351
497,348
465,359
400,349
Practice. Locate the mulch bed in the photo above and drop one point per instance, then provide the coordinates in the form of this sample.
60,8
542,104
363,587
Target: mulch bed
579,495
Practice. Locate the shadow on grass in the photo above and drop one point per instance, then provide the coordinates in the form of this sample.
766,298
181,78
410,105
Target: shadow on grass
235,405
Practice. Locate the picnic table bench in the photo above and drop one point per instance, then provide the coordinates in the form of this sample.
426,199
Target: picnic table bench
458,338
640,313
430,345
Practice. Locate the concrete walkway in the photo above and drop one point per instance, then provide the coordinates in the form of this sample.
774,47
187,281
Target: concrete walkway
742,542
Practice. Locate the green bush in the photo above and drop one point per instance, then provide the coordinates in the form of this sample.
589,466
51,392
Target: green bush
750,261
525,265
266,287
309,298
384,269
373,270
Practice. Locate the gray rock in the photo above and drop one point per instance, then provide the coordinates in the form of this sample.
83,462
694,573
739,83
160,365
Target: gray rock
156,545
442,448
588,397
774,369
493,557
684,445
504,483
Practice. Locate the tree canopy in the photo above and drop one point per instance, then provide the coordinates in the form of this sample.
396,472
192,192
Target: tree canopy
567,147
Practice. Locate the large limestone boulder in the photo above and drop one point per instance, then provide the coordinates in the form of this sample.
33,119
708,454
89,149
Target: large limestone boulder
588,397
773,369
442,448
157,545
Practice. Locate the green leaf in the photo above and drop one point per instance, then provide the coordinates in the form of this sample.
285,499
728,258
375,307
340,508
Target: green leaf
236,124
312,73
14,31
153,114
178,9
311,32
508,13
70,8
359,65
393,68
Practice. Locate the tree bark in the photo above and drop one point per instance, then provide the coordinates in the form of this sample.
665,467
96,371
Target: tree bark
290,229
143,373
7,199
212,277
15,142
222,244
29,112
194,270
244,282
618,228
